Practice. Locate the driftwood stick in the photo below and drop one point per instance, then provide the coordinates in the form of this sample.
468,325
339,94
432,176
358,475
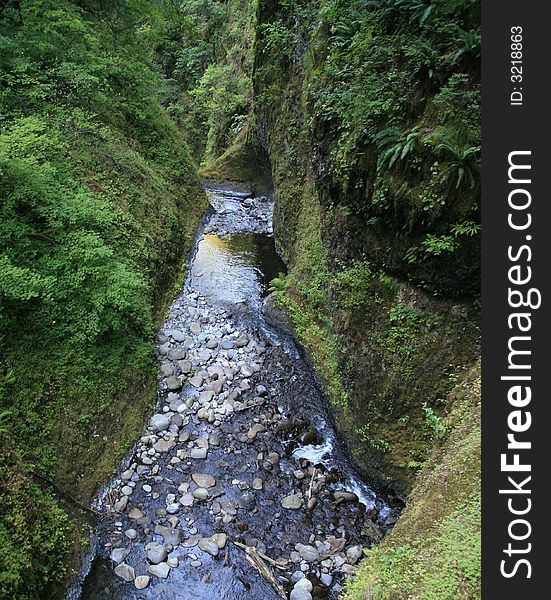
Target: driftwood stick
311,483
65,494
255,559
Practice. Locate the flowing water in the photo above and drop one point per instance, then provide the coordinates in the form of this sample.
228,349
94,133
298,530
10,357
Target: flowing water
238,487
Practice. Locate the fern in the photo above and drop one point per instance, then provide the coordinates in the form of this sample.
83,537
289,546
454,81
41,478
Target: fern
463,163
398,151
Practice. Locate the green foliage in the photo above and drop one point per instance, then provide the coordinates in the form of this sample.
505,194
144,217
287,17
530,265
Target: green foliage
447,566
98,204
352,285
33,544
435,424
204,48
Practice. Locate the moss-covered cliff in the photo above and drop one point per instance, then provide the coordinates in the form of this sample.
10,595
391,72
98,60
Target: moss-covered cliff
99,202
369,114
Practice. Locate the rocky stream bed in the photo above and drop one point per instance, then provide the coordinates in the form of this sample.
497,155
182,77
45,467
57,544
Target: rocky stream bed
238,487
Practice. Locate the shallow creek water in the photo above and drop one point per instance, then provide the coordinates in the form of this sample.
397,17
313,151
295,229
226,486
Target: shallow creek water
238,487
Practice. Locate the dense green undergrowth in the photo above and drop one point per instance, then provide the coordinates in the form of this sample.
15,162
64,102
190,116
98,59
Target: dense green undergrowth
369,113
99,201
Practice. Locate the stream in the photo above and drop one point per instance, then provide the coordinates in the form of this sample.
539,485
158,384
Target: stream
238,488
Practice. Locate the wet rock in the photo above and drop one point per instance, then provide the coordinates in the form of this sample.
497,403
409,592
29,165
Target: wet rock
292,501
120,505
353,554
141,582
156,553
246,501
173,383
163,446
161,570
125,572
220,539
346,496
255,430
119,554
159,422
135,513
209,546
170,536
203,480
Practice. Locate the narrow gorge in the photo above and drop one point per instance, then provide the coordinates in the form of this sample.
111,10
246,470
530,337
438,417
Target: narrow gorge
239,299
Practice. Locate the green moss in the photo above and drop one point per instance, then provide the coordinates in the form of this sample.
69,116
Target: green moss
33,533
433,553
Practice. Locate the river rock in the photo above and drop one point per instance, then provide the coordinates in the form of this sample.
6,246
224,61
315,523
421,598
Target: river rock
201,493
161,570
141,582
119,554
196,381
220,539
198,453
176,335
159,422
185,366
301,590
163,446
135,513
131,534
167,370
173,383
125,572
120,505
187,500
156,553
203,480
209,546
307,553
195,328
292,501
170,536
255,430
353,554
258,484
346,496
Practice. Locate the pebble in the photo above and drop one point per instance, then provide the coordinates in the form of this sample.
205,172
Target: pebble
198,453
203,480
156,553
125,572
141,582
292,501
119,554
131,534
209,546
161,570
